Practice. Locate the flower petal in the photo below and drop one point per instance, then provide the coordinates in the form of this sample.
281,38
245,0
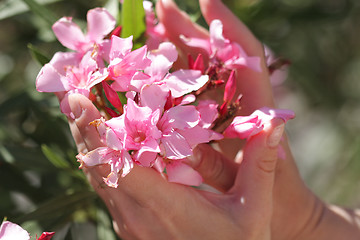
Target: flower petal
179,117
97,156
62,60
208,110
69,33
179,172
49,80
197,135
100,23
217,39
145,158
242,127
182,82
12,231
175,146
120,46
154,96
197,43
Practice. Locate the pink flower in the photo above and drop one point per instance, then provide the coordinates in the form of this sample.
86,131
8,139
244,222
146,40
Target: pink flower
73,79
118,159
246,126
178,118
179,82
137,130
100,23
12,231
124,63
223,52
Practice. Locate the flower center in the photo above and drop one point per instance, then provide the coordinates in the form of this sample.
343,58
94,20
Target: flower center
139,137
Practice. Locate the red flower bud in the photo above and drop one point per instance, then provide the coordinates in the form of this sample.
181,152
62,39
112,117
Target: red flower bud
230,87
46,236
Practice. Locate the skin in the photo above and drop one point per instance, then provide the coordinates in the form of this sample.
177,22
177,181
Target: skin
262,197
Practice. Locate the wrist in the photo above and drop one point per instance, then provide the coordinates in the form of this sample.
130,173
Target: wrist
332,222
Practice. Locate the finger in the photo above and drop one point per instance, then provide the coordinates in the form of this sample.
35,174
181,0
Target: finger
79,141
216,170
177,23
85,112
233,28
255,179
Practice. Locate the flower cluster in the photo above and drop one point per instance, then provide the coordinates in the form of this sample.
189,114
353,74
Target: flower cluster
152,114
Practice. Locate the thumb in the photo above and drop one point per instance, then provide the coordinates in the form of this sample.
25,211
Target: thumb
255,178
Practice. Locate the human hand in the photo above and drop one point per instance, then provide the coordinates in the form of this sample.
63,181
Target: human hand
292,200
218,170
146,206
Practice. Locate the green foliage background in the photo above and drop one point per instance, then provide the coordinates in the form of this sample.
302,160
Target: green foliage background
40,184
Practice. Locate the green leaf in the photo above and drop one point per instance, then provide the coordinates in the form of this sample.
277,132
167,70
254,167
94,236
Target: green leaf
59,206
41,11
133,19
55,159
37,55
9,8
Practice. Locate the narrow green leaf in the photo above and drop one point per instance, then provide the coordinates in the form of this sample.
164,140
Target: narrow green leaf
37,55
58,206
55,159
132,19
10,8
41,11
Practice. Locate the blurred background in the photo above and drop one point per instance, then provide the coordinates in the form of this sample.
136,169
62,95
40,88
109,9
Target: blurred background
41,187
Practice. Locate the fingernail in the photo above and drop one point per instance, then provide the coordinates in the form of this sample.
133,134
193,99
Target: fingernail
166,3
76,111
274,138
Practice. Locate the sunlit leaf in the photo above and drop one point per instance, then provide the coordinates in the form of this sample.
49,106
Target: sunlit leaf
132,19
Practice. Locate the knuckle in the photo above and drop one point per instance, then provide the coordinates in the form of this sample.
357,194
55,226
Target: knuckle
267,165
212,167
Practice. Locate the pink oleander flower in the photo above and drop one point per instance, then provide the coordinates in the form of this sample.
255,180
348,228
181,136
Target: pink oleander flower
73,79
12,231
124,63
244,127
151,136
99,24
221,51
136,130
179,82
119,160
